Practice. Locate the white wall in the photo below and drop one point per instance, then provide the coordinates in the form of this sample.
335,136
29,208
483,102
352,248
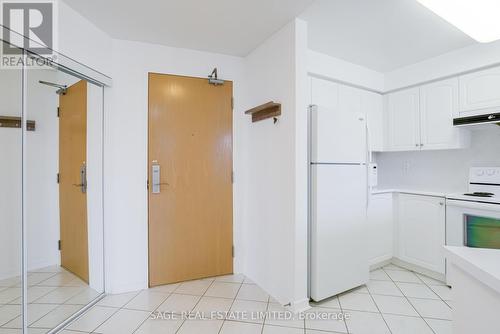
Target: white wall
42,159
274,213
126,129
441,171
327,67
300,298
80,40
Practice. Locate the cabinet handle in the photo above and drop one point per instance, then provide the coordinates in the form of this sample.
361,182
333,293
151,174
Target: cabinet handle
441,203
421,145
416,145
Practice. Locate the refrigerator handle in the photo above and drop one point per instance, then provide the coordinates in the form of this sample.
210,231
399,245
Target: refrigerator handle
368,141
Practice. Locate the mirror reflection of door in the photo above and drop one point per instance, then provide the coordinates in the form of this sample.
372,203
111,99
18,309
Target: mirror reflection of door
190,193
72,180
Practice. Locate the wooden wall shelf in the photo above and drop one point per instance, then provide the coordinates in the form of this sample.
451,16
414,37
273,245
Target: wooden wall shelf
15,122
265,111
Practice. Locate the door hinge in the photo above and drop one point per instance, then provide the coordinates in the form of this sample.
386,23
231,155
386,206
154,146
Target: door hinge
232,251
232,177
58,178
59,244
232,103
58,112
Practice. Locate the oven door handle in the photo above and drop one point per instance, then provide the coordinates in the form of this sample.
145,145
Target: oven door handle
472,205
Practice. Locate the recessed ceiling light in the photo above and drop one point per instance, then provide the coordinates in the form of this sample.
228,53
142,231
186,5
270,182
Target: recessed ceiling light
480,19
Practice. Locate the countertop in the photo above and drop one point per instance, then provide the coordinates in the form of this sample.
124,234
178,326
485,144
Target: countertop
483,264
408,191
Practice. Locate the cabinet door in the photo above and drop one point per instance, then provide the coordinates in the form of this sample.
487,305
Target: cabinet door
438,104
324,93
421,231
350,99
479,91
372,107
380,228
403,124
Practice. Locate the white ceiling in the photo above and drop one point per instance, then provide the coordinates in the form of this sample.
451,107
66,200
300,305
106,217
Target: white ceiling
233,27
380,34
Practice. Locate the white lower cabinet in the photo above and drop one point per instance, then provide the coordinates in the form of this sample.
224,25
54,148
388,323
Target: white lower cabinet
420,228
380,228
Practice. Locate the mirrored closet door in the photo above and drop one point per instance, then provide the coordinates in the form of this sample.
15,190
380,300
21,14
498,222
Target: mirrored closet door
51,201
11,142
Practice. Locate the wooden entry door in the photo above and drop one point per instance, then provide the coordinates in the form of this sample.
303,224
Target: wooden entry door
191,202
72,180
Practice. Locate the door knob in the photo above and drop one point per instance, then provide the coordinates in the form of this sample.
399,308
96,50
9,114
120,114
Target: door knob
156,177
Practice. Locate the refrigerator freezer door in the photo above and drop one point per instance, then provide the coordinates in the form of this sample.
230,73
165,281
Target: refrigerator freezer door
337,136
338,214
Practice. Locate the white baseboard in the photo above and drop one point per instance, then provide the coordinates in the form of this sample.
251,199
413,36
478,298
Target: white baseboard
43,264
10,274
379,262
419,269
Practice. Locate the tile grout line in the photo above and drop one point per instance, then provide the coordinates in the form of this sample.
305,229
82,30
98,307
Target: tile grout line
409,299
117,310
99,325
265,316
430,287
230,307
156,310
267,307
184,320
57,305
380,312
342,310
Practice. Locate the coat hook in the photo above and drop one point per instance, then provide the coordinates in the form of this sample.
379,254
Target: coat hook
275,119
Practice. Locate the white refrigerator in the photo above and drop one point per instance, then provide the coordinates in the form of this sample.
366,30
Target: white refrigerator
338,201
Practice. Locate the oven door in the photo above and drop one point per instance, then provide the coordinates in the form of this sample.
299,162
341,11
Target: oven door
472,224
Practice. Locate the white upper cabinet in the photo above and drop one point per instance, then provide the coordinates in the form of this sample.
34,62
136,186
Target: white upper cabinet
480,92
351,101
421,118
403,124
324,93
438,104
421,231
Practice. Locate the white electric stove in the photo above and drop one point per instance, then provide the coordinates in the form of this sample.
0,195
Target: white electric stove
473,218
484,186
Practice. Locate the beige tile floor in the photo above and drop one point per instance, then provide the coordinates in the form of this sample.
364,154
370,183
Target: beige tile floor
394,301
54,294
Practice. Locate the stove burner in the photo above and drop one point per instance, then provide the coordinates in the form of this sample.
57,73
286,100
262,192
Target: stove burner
480,194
